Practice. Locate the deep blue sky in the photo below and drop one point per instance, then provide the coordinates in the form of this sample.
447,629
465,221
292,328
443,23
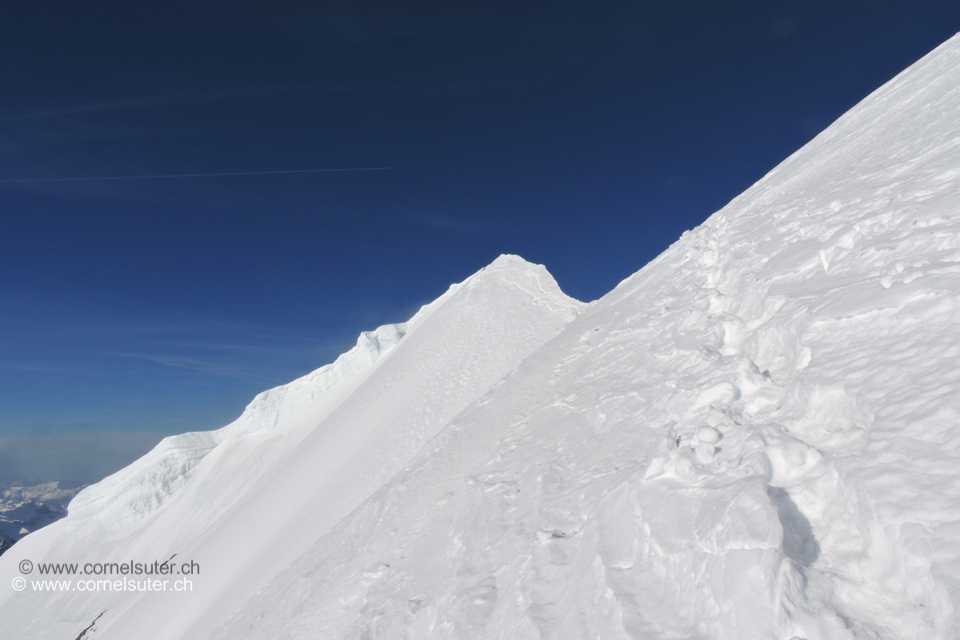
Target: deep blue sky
583,136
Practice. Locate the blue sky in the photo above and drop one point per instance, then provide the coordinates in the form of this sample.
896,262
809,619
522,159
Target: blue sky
583,136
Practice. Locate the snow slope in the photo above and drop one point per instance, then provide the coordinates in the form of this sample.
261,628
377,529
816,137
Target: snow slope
244,501
755,436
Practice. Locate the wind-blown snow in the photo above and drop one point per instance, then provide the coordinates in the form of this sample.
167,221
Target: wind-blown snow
139,489
755,436
245,500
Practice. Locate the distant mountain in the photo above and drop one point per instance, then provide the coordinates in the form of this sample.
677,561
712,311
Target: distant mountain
23,509
757,435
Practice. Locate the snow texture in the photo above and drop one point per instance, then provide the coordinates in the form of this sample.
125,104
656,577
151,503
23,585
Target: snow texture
755,436
244,501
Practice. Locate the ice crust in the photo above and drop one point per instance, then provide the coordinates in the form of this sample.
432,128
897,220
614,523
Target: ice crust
755,436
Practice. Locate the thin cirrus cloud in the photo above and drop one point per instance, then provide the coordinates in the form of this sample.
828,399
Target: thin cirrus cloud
166,176
185,99
186,347
197,365
141,102
159,377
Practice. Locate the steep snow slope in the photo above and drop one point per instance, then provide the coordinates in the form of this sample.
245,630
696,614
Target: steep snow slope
244,501
756,436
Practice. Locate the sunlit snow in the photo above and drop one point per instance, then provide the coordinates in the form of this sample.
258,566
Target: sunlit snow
755,436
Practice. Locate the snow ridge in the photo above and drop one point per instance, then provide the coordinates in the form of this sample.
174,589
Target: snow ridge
755,436
752,437
247,499
134,492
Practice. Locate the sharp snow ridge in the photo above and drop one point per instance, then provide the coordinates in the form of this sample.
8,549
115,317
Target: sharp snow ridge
754,436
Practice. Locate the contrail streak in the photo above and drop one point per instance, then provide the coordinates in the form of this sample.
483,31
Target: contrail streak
191,175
